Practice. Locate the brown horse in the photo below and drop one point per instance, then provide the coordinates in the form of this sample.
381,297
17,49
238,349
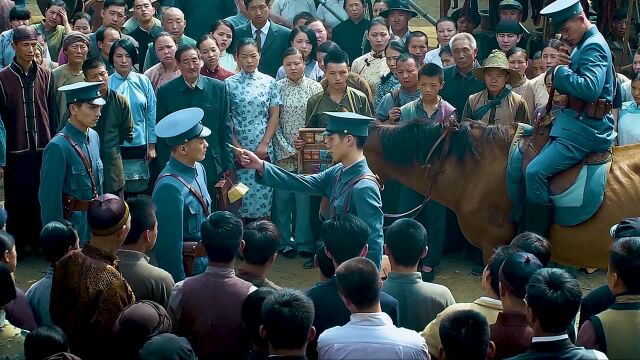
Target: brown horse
468,176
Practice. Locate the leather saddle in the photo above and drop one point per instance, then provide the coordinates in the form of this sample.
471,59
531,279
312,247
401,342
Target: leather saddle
531,146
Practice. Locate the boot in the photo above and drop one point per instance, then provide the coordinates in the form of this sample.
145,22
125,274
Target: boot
537,218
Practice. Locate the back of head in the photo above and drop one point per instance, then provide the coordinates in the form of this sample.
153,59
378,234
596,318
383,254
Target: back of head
167,347
407,239
56,239
516,271
287,317
143,218
464,335
328,46
534,244
495,263
554,299
136,324
44,342
359,282
107,215
344,236
221,236
624,260
251,314
261,242
7,286
324,263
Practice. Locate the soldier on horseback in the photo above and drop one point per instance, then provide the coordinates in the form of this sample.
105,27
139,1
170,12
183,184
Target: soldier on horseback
585,125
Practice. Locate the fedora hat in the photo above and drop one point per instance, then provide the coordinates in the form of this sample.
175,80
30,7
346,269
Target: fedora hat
398,5
498,60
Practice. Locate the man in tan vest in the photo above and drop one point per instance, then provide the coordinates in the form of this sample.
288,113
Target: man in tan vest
616,330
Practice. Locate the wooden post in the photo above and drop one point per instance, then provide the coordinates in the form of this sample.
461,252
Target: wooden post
627,33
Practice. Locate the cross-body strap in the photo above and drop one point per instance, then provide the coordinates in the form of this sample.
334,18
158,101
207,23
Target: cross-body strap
85,162
195,192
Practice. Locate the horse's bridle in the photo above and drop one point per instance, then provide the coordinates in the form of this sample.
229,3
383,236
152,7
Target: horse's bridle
448,127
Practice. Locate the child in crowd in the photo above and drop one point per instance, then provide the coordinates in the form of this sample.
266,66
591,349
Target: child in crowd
629,119
430,106
446,56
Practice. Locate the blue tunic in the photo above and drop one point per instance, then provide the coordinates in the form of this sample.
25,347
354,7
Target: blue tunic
63,172
364,198
179,214
589,77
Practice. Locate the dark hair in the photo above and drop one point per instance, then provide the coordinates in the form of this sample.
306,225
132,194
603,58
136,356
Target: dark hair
397,45
59,3
19,13
445,50
404,57
636,77
143,218
516,50
81,16
495,263
247,2
417,34
328,46
360,140
244,42
324,263
102,30
378,21
344,4
302,15
533,244
7,286
446,19
344,236
358,281
56,238
109,3
7,242
553,43
624,260
44,342
127,46
226,23
464,335
184,48
261,242
204,38
162,34
251,315
221,236
92,63
554,298
537,55
291,51
287,317
406,238
310,35
336,57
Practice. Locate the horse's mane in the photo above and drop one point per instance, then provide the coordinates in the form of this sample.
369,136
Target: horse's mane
411,142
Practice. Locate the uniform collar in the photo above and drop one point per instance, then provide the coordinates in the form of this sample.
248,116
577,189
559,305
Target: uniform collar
76,134
181,168
357,168
589,33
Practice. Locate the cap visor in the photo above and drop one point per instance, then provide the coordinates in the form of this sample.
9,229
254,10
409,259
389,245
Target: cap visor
612,231
97,101
205,132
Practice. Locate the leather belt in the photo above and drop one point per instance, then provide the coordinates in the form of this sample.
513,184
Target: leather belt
594,109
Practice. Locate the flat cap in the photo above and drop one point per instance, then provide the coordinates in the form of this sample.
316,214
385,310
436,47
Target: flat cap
510,4
508,27
629,227
516,271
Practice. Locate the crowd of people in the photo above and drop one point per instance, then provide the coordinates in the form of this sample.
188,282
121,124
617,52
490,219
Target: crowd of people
123,123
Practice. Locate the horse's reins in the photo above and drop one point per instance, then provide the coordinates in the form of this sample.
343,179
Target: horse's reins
446,137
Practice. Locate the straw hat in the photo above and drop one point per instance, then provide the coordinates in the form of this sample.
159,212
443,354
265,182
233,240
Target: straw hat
498,60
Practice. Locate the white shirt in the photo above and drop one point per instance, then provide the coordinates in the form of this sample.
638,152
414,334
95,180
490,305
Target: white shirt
433,57
288,9
263,32
371,336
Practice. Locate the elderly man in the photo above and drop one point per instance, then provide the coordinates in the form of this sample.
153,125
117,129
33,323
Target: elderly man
105,37
88,292
29,121
459,82
174,23
114,15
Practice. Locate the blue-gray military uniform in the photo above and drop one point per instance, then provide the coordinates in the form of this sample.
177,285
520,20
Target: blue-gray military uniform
362,200
63,172
179,212
588,78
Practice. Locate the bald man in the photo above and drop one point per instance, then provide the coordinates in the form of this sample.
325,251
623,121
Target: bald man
174,23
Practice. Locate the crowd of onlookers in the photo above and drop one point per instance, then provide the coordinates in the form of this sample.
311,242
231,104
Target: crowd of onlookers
279,65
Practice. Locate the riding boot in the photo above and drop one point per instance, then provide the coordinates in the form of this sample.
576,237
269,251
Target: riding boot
537,218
